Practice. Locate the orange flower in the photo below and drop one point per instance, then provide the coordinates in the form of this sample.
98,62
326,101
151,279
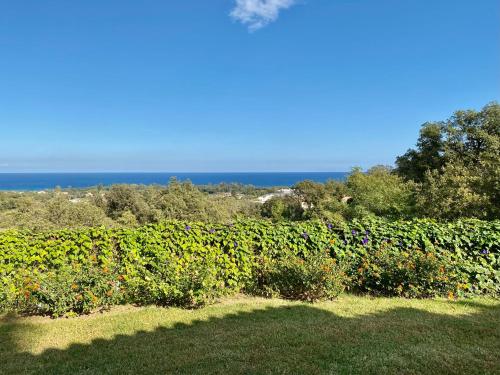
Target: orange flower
74,286
93,297
451,295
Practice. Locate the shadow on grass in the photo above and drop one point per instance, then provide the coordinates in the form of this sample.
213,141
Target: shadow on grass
298,339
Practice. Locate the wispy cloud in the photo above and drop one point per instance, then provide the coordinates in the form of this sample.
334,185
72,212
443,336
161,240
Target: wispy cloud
256,14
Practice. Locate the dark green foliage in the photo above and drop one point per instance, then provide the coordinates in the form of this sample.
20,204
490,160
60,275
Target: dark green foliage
457,163
427,157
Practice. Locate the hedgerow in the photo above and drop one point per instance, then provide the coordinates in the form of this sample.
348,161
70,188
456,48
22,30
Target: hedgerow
188,264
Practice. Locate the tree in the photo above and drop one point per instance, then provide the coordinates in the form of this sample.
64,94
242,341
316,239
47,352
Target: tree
427,157
311,193
457,163
450,194
381,192
122,198
283,208
473,144
184,201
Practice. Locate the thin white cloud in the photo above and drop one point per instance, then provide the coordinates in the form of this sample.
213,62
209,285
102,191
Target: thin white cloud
256,14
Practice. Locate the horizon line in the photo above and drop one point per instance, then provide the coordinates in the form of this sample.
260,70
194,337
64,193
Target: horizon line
162,172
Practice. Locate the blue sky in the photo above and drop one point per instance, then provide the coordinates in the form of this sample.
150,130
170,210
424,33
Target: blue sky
227,85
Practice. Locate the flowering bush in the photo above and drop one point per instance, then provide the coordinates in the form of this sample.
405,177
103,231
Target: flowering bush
317,277
409,273
188,281
71,290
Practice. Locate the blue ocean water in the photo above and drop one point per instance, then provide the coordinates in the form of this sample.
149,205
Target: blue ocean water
41,181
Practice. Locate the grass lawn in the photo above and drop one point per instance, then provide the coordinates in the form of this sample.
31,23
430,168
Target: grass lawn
353,335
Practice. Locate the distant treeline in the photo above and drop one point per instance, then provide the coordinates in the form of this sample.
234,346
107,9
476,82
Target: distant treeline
454,172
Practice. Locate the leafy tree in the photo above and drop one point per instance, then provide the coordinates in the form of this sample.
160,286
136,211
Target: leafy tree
473,137
474,145
381,192
127,219
323,201
183,200
312,195
62,213
336,189
427,157
283,208
122,198
52,213
457,163
451,194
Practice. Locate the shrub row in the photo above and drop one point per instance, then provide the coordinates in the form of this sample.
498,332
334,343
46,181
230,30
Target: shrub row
188,264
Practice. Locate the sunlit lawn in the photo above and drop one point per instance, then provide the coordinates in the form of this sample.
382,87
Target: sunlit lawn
353,335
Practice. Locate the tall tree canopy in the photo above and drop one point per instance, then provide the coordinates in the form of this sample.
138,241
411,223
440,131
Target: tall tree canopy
427,156
457,163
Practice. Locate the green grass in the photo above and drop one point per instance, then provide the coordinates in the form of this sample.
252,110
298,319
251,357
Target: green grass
353,335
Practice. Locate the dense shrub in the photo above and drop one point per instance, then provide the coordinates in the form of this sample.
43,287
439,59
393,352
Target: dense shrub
409,273
190,280
380,192
177,263
73,289
283,208
317,277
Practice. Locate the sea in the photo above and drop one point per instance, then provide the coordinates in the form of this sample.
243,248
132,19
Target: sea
47,181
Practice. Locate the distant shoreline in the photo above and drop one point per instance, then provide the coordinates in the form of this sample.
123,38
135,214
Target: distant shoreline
21,181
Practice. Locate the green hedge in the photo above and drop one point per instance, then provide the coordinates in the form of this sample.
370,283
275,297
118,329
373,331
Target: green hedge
179,263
